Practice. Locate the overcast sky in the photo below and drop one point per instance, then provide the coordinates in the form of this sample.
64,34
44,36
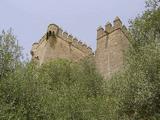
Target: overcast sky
30,18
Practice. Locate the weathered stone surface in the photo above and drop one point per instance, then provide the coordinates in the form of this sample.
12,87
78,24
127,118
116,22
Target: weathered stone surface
110,49
59,45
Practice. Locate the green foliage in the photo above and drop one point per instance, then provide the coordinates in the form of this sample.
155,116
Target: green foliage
136,91
10,52
21,95
57,90
137,88
152,4
75,94
145,29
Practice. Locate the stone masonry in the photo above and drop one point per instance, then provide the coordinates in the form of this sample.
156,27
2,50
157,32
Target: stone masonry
58,44
111,43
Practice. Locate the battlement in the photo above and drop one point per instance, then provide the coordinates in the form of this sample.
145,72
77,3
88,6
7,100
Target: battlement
109,28
112,41
54,29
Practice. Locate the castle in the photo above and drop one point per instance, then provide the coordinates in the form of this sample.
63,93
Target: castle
108,57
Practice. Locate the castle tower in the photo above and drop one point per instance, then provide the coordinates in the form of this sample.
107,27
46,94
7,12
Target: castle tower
111,43
58,44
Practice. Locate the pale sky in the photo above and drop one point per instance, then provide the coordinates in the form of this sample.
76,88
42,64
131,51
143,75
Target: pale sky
30,18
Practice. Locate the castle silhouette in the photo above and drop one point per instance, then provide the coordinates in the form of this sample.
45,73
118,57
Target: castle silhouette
109,54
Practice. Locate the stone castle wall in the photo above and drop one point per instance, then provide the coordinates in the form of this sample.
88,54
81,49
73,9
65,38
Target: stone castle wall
111,43
58,44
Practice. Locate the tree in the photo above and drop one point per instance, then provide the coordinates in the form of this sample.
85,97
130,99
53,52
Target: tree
10,52
137,88
145,28
22,95
59,89
76,90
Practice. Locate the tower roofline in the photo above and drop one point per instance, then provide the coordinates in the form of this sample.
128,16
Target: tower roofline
110,28
52,24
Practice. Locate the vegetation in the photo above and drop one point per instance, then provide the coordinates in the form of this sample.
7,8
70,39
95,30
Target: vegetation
65,90
137,88
10,52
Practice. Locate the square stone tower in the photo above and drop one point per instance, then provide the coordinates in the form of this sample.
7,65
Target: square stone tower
111,43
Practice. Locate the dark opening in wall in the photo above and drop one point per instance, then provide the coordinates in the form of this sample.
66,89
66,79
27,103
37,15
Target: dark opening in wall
49,33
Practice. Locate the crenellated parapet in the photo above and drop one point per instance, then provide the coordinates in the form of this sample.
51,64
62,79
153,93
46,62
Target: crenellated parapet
34,45
109,28
54,32
58,32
